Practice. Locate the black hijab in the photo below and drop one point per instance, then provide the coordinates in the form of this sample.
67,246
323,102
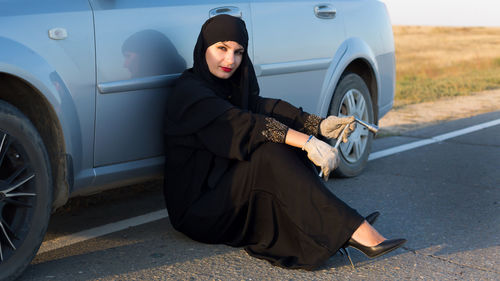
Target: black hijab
191,106
243,81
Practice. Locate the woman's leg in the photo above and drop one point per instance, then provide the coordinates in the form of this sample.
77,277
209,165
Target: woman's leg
367,235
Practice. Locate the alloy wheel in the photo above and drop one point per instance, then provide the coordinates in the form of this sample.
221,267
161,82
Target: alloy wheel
354,104
17,195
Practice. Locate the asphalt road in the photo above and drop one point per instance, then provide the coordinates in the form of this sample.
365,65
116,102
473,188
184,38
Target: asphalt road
443,197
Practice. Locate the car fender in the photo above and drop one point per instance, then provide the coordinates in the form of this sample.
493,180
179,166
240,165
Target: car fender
351,49
22,62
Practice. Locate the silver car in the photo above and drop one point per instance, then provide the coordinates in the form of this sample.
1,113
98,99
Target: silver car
83,86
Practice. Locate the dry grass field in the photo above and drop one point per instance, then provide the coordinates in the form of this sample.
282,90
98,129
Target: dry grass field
438,62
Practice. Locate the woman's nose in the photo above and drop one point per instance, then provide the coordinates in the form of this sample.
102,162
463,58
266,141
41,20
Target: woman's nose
230,57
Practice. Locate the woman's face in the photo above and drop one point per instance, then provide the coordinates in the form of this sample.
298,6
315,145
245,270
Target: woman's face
223,58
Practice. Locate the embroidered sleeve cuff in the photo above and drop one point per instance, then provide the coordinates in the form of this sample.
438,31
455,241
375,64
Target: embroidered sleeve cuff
311,125
275,131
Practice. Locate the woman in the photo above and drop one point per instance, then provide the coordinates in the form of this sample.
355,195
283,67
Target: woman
233,172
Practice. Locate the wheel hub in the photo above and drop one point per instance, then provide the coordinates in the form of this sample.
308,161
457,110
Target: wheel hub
2,196
356,134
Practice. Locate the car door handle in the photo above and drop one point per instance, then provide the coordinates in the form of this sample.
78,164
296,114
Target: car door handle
227,10
325,11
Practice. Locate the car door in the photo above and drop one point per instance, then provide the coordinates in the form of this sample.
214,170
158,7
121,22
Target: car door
294,43
141,47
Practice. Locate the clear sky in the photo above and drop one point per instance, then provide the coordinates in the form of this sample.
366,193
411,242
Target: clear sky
444,12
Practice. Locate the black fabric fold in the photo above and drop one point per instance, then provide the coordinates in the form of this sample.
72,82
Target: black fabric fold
192,105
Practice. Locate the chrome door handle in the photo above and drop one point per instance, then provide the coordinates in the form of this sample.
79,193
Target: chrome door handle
325,11
227,10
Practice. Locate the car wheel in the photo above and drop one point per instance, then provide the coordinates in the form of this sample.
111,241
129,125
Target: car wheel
352,98
25,191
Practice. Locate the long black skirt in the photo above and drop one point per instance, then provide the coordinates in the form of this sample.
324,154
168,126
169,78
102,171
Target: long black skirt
275,206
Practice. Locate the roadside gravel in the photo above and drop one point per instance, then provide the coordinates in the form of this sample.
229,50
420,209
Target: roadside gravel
416,116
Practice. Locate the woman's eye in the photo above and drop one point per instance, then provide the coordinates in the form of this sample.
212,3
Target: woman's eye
222,48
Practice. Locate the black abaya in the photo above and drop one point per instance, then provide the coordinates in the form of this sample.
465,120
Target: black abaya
277,207
229,178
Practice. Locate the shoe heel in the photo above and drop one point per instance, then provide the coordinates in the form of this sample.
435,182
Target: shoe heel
349,257
371,218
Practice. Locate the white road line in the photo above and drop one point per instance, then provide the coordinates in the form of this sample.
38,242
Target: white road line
68,240
88,234
412,145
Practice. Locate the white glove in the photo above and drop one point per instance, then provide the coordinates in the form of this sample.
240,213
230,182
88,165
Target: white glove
322,155
332,126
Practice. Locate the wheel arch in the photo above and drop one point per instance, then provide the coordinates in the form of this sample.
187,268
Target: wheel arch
40,112
37,80
353,56
362,68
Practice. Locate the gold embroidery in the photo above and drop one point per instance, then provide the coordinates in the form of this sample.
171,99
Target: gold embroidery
311,125
275,131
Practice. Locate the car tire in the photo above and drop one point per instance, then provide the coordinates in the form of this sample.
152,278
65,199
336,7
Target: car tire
352,98
25,191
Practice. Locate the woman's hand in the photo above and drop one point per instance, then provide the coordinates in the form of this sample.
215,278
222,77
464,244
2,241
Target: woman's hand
322,155
332,127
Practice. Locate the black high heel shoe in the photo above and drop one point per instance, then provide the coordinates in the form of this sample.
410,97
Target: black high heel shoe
374,251
377,250
371,218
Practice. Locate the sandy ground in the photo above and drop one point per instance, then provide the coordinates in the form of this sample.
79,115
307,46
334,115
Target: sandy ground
417,116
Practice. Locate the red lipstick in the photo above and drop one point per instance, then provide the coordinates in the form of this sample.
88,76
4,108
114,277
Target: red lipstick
226,69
